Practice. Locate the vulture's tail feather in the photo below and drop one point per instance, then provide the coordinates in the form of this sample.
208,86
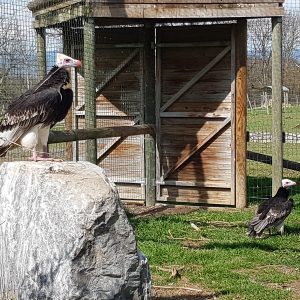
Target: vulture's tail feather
257,226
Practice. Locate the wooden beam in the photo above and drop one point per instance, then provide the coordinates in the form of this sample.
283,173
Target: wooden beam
185,1
67,39
149,113
158,100
193,44
200,145
233,116
43,7
191,114
267,159
119,46
196,78
89,86
97,133
277,145
41,52
184,11
57,17
241,112
203,184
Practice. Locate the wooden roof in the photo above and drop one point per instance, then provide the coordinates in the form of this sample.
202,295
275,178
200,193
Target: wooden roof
51,12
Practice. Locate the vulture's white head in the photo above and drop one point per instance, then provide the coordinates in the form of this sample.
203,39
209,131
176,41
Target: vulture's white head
64,61
287,183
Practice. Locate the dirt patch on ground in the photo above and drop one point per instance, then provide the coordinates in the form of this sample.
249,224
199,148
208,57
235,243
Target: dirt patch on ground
266,268
179,294
294,286
183,290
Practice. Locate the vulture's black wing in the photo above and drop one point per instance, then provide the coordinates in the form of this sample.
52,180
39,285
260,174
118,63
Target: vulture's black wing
45,106
265,205
276,214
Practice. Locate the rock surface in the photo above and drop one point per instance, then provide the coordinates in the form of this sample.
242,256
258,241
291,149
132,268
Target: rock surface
64,234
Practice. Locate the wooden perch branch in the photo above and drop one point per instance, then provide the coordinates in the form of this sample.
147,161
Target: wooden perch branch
95,133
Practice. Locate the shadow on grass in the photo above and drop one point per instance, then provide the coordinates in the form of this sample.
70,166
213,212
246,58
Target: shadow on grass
291,230
246,245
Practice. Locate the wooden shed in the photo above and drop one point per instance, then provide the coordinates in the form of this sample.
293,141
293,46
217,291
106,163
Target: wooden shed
178,65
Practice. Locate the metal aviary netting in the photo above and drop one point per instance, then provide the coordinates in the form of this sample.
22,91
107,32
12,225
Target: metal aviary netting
118,102
259,119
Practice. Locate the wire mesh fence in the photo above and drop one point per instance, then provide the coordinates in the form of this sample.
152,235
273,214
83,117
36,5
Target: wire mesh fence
259,119
121,104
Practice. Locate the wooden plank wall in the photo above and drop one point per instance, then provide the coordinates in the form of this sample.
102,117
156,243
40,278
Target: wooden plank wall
201,111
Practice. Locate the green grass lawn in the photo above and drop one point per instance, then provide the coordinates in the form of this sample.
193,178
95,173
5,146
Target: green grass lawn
260,174
258,120
220,257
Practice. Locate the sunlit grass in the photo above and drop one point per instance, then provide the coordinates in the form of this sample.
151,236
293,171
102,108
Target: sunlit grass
220,257
259,120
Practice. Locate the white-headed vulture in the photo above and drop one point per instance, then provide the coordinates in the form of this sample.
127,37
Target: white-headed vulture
273,211
29,117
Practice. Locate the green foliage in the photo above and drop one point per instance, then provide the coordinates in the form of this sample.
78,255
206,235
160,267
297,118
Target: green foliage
220,256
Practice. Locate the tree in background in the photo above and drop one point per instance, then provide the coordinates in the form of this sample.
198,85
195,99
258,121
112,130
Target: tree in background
17,58
260,53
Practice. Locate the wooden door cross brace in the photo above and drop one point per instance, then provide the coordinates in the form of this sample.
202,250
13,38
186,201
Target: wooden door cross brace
200,145
116,71
196,78
118,141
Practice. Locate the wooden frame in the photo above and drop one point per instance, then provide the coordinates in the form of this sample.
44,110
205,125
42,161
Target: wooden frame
277,145
167,111
106,12
241,112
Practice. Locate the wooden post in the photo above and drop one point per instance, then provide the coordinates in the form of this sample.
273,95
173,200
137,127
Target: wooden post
277,148
69,117
149,113
89,85
41,52
241,112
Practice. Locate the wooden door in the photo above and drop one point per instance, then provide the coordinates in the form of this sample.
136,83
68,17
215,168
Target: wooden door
195,100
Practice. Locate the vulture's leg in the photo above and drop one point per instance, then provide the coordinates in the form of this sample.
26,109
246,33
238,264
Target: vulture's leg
280,228
34,155
42,146
42,142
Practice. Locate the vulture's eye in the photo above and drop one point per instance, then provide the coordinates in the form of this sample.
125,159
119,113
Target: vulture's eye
67,60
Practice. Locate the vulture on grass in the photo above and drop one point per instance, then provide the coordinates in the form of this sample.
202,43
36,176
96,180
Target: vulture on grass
273,211
29,117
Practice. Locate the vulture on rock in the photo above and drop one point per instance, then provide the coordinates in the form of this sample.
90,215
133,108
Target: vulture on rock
29,117
273,211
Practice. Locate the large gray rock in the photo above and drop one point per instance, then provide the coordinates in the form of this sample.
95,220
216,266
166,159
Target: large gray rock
64,234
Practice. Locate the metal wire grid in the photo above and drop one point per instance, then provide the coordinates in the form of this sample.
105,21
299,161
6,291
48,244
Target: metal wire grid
19,71
117,105
259,120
